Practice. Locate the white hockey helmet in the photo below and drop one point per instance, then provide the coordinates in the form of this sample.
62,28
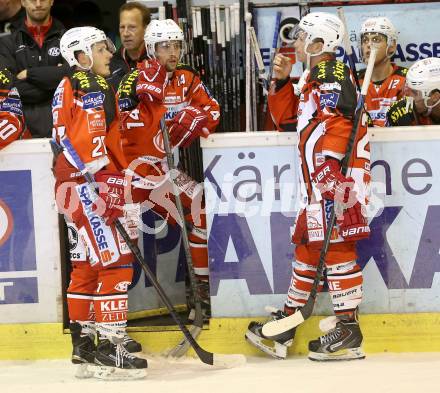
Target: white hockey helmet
380,25
81,39
324,26
424,77
161,31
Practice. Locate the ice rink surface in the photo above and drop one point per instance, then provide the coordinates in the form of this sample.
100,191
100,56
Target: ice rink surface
379,373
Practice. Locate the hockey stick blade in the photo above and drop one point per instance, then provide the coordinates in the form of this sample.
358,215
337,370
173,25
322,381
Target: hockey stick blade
273,328
229,361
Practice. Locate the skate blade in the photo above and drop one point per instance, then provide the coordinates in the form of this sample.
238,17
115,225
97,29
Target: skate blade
229,361
272,348
109,373
343,354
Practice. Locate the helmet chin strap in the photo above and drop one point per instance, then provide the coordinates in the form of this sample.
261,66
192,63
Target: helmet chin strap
409,103
430,106
89,67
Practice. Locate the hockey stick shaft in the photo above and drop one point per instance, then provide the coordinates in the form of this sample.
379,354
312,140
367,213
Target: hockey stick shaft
248,18
347,47
273,52
183,346
280,326
204,356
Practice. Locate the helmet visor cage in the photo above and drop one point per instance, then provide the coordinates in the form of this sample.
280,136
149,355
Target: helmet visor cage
297,33
373,38
169,46
109,45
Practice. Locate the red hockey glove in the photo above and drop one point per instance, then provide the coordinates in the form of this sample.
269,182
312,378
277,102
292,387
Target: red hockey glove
111,191
151,81
331,183
353,225
187,125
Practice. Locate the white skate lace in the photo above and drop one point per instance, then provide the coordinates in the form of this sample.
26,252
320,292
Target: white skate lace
330,336
127,339
121,354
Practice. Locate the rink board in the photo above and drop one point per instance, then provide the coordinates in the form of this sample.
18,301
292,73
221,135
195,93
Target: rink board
382,333
400,306
251,191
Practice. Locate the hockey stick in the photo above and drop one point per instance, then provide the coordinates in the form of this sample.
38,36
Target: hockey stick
182,347
210,358
348,49
248,18
262,74
276,327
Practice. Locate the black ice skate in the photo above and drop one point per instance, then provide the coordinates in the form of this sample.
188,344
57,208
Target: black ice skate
131,345
275,346
115,362
342,342
83,347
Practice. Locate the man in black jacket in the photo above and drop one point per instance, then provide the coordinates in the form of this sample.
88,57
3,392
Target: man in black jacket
32,54
133,19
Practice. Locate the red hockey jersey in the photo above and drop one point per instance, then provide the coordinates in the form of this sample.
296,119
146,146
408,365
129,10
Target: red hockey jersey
325,117
12,126
84,109
140,122
381,96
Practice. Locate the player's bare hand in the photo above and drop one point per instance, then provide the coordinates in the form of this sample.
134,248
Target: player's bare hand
282,66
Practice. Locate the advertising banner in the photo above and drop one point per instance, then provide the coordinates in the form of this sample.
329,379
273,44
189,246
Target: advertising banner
250,201
30,274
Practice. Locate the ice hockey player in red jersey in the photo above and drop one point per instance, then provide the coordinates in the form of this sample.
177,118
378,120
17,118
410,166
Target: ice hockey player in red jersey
85,112
12,126
325,118
421,104
161,86
388,79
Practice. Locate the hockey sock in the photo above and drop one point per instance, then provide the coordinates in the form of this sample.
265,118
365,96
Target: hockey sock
199,252
345,287
301,284
111,299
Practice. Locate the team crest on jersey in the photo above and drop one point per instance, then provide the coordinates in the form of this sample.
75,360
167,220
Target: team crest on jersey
93,100
11,105
122,286
124,104
96,122
329,100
